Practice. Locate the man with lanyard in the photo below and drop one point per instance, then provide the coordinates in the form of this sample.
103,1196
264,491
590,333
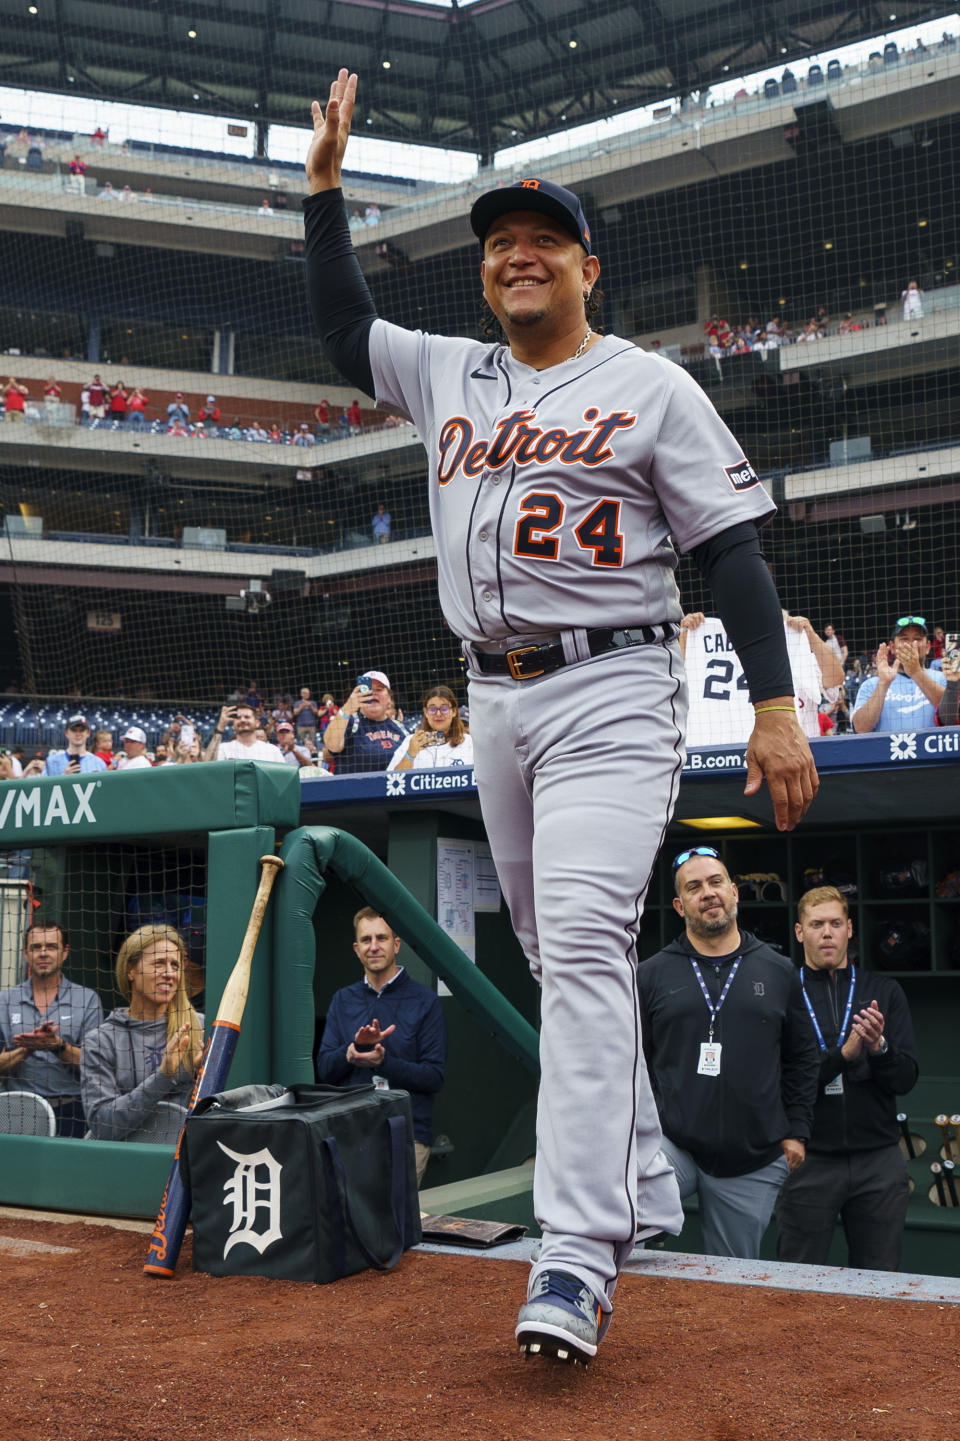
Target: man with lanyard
854,1167
731,1058
43,1022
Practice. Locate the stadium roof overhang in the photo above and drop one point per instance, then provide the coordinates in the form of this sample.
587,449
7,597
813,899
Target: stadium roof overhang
473,77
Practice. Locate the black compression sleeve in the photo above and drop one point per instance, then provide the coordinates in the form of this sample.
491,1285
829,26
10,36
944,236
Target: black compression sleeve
342,305
733,566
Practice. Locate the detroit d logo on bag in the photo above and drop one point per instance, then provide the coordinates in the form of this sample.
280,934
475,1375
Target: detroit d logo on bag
254,1186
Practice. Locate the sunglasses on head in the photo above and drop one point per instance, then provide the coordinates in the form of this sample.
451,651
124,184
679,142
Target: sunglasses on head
911,620
684,856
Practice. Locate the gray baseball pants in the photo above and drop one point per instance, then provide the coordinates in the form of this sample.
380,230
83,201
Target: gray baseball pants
577,773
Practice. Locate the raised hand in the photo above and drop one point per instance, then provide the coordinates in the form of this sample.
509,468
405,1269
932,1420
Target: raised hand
330,134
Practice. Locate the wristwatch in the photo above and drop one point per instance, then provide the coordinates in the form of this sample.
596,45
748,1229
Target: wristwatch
882,1048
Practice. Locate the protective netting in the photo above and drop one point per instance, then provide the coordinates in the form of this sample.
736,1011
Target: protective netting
65,913
765,234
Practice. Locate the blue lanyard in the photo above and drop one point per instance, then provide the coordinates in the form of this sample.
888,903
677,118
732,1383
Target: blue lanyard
846,1015
714,1009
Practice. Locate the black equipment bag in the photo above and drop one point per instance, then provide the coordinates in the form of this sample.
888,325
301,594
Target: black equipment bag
307,1184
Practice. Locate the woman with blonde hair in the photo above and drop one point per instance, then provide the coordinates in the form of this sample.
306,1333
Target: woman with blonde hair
441,739
144,1056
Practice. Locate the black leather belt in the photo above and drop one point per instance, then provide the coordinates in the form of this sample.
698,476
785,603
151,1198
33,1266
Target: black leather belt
526,662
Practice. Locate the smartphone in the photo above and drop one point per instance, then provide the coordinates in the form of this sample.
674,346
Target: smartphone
363,684
187,733
951,647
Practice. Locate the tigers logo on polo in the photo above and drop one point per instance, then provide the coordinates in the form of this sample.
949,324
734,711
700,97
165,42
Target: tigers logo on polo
254,1187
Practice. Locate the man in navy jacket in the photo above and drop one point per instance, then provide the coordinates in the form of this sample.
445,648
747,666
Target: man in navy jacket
386,1030
854,1167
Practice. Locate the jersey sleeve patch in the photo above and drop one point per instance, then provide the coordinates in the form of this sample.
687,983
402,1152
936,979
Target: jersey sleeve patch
741,476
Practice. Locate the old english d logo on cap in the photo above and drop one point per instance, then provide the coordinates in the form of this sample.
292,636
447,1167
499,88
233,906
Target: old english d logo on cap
530,184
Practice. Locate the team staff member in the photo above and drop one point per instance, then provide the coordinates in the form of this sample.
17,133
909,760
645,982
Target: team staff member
854,1166
560,465
43,1023
731,1058
387,1030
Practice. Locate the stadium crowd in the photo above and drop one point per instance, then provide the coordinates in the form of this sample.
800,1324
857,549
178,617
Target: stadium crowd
907,683
118,407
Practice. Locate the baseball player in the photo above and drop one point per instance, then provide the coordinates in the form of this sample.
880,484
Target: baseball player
561,463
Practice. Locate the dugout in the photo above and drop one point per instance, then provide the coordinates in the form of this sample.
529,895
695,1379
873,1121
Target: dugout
100,854
885,806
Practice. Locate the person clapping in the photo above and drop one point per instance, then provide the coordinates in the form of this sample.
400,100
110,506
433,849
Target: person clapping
146,1052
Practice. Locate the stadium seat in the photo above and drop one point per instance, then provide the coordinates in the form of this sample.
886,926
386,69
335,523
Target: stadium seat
834,70
788,82
891,53
24,1114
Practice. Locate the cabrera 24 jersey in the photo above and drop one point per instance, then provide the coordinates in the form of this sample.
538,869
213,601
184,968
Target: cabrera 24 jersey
556,496
720,710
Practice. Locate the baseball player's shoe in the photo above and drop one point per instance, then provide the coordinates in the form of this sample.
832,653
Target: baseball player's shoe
561,1319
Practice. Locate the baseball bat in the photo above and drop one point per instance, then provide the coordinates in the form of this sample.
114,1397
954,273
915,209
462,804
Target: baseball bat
212,1072
937,1194
954,1121
912,1146
943,1126
948,1174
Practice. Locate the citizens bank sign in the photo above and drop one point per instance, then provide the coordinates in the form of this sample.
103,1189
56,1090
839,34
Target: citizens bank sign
34,806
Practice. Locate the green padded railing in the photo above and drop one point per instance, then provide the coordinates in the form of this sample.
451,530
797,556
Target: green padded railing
308,854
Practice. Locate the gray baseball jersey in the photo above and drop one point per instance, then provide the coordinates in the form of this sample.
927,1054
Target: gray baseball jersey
554,493
554,496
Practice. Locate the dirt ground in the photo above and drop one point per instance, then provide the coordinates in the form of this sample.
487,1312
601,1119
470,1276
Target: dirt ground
92,1348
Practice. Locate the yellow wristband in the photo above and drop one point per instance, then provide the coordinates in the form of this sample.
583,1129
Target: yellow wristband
760,709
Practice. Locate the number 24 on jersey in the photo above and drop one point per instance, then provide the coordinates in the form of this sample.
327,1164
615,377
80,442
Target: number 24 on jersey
540,529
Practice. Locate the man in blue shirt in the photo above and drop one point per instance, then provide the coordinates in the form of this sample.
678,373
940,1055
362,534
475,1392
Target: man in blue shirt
903,695
386,1030
43,1022
76,758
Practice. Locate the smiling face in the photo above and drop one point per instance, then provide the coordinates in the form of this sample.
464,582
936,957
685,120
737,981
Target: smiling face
706,898
154,979
534,272
377,947
824,932
439,713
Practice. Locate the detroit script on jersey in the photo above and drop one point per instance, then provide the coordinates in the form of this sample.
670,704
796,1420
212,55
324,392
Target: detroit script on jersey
557,496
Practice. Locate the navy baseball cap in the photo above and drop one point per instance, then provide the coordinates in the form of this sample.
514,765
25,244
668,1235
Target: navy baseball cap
543,195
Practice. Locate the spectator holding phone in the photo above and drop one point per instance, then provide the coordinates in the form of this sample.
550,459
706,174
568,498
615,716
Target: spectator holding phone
43,1023
441,739
903,695
147,1051
362,736
76,759
245,746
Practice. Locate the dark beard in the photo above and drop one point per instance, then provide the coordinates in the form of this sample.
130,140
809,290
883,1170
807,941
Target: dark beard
710,930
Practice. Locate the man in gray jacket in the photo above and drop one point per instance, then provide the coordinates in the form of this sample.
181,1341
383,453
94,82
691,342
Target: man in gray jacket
43,1024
